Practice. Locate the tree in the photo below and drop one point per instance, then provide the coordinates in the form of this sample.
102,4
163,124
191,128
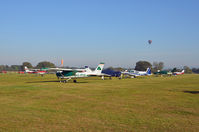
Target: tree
45,64
142,65
111,68
16,68
116,68
2,67
174,70
187,69
158,66
27,64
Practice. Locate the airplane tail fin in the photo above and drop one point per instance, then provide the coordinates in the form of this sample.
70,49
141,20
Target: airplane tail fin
99,68
182,71
88,69
148,71
26,69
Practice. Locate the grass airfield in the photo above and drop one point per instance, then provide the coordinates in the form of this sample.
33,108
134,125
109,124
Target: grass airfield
35,103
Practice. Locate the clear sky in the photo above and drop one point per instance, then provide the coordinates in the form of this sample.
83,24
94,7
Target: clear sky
86,32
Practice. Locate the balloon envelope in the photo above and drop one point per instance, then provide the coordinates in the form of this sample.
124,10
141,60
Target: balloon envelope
149,41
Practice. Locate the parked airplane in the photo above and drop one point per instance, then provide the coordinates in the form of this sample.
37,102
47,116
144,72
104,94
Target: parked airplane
112,73
168,73
162,72
35,71
99,74
135,73
67,74
178,73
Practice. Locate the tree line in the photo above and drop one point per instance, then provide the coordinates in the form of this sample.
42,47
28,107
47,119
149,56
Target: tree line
140,66
43,64
156,66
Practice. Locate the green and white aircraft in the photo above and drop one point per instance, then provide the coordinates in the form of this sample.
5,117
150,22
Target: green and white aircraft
64,75
163,73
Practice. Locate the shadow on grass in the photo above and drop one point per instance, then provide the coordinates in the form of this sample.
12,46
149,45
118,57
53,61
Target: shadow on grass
192,92
53,81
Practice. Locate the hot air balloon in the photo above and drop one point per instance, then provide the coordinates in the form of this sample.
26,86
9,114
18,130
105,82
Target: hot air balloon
149,41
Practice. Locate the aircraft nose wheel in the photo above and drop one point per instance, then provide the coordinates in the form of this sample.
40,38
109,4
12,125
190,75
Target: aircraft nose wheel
74,81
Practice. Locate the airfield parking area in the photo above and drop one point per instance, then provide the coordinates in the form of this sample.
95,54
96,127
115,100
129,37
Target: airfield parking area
35,103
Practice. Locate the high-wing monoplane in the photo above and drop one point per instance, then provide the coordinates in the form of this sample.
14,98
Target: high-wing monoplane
64,75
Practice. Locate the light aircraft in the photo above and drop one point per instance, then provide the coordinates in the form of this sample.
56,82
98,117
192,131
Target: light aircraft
35,71
112,73
67,74
169,73
178,73
161,72
134,73
99,74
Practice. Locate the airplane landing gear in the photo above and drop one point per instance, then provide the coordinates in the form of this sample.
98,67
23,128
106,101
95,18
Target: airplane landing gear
64,81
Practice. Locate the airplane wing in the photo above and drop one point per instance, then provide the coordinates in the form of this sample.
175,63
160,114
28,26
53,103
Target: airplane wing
104,74
33,69
64,69
130,74
99,75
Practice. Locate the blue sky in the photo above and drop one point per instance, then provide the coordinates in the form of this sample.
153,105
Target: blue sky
87,32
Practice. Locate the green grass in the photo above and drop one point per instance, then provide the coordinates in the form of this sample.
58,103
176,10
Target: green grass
35,103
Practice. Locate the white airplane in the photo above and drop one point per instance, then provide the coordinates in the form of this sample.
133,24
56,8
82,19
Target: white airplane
34,71
96,72
27,70
135,73
67,74
178,73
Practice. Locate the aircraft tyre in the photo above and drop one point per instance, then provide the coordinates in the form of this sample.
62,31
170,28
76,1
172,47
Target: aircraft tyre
74,81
